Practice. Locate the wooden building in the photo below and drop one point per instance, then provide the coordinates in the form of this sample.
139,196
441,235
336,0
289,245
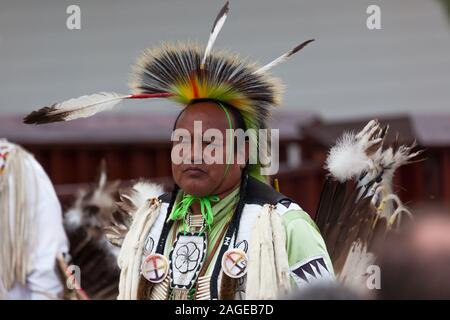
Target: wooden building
138,146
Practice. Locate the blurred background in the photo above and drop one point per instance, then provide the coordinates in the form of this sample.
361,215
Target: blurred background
399,74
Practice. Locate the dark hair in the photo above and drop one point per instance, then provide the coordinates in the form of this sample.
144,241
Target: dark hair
237,116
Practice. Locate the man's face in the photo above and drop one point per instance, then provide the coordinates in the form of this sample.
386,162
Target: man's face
205,179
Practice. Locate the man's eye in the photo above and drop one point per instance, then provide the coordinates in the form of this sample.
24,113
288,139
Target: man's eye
214,144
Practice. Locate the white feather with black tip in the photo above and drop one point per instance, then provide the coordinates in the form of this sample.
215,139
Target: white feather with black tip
217,26
81,107
284,57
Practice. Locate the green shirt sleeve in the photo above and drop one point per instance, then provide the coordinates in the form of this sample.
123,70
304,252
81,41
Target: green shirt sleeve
307,253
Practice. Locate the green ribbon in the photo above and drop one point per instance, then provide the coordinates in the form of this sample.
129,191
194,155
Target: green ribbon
181,208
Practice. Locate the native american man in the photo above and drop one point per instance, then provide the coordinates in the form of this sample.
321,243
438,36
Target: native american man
223,232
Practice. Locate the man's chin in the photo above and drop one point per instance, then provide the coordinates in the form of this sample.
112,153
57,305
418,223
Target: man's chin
195,188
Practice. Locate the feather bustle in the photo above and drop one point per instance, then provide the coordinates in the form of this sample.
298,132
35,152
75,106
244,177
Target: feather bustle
352,213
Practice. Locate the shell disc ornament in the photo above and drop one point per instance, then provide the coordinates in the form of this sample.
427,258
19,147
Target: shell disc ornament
234,263
155,268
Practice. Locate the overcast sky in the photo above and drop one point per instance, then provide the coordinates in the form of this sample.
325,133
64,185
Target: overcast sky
349,71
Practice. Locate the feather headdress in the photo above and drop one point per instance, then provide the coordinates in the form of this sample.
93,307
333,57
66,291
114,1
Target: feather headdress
184,73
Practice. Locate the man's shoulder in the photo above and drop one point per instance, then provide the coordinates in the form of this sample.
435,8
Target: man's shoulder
165,197
261,193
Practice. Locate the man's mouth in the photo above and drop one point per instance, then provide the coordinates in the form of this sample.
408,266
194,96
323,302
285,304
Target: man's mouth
193,170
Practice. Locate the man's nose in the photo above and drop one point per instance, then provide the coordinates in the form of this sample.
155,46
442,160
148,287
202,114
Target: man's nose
196,154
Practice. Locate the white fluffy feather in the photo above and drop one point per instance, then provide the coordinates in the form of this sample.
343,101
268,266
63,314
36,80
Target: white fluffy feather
72,219
142,191
347,159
